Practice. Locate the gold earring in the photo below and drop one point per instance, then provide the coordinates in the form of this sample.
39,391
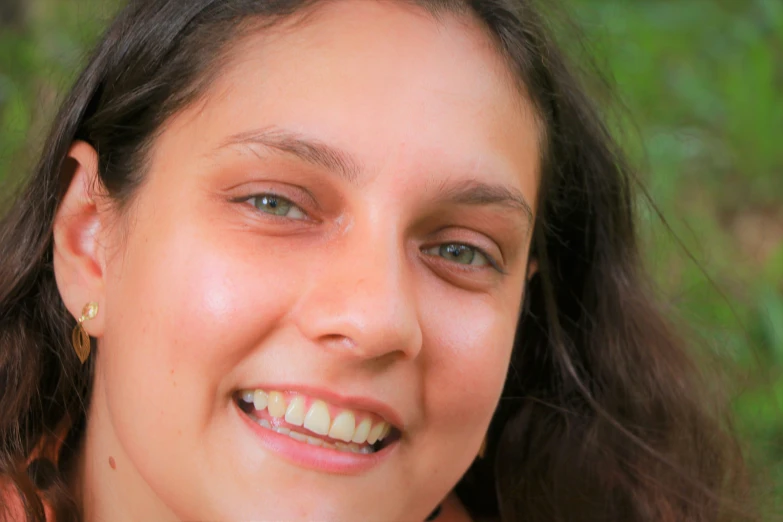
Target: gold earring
79,337
483,449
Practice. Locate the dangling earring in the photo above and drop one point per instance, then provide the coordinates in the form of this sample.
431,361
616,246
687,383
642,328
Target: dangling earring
79,337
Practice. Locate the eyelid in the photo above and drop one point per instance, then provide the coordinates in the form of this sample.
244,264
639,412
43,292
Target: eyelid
295,193
464,234
492,262
275,194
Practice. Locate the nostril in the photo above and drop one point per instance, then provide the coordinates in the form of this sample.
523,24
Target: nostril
339,341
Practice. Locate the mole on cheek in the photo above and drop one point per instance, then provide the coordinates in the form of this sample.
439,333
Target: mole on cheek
112,464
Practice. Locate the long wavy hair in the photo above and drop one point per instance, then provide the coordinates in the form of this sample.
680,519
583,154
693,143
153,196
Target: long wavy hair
604,415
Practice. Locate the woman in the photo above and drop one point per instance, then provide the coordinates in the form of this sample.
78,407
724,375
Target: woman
344,260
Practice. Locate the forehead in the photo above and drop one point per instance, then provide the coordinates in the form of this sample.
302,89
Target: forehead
384,80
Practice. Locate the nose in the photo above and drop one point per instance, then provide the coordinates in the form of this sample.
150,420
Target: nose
360,298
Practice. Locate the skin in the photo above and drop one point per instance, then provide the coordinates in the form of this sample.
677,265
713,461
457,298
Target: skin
201,295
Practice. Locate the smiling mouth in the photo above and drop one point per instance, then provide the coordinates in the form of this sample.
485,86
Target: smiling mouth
317,423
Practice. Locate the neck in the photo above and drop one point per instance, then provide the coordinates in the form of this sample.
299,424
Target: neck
103,480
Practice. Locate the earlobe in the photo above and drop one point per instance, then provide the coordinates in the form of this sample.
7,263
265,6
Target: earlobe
78,244
532,268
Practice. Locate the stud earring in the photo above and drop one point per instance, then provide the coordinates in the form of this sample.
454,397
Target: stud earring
79,337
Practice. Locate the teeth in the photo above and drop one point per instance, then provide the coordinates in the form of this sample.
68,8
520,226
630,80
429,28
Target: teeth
276,405
343,427
362,431
260,400
317,419
295,413
298,436
375,432
315,441
352,448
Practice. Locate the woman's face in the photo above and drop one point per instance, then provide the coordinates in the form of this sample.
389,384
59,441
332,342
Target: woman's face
340,224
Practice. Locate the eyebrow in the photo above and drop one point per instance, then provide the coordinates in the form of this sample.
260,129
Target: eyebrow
479,193
306,149
465,192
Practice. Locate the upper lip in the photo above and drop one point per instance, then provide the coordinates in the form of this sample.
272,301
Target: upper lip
352,402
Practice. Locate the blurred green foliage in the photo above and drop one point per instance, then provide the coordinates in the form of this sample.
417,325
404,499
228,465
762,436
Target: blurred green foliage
701,83
43,44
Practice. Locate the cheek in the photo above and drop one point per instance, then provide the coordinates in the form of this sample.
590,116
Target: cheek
470,345
192,298
186,307
469,366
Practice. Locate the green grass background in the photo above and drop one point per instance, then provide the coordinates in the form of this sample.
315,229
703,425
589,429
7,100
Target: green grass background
700,87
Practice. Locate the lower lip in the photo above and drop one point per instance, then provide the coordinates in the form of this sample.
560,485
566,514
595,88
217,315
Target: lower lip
314,457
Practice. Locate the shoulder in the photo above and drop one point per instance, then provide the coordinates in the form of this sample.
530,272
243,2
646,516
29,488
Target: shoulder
12,507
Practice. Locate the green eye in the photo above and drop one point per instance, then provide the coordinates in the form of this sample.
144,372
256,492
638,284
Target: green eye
460,254
277,206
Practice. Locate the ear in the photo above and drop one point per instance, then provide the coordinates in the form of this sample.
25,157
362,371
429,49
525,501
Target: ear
532,268
79,256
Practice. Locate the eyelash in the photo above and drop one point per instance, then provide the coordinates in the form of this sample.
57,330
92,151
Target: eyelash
270,196
491,262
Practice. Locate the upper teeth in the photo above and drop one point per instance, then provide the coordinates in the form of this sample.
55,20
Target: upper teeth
317,418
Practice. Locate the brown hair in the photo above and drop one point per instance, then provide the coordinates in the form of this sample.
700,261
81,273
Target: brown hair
603,416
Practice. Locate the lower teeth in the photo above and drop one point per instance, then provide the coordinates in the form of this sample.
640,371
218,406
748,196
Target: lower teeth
339,446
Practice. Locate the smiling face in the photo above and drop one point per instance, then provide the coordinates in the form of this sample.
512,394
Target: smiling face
338,231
